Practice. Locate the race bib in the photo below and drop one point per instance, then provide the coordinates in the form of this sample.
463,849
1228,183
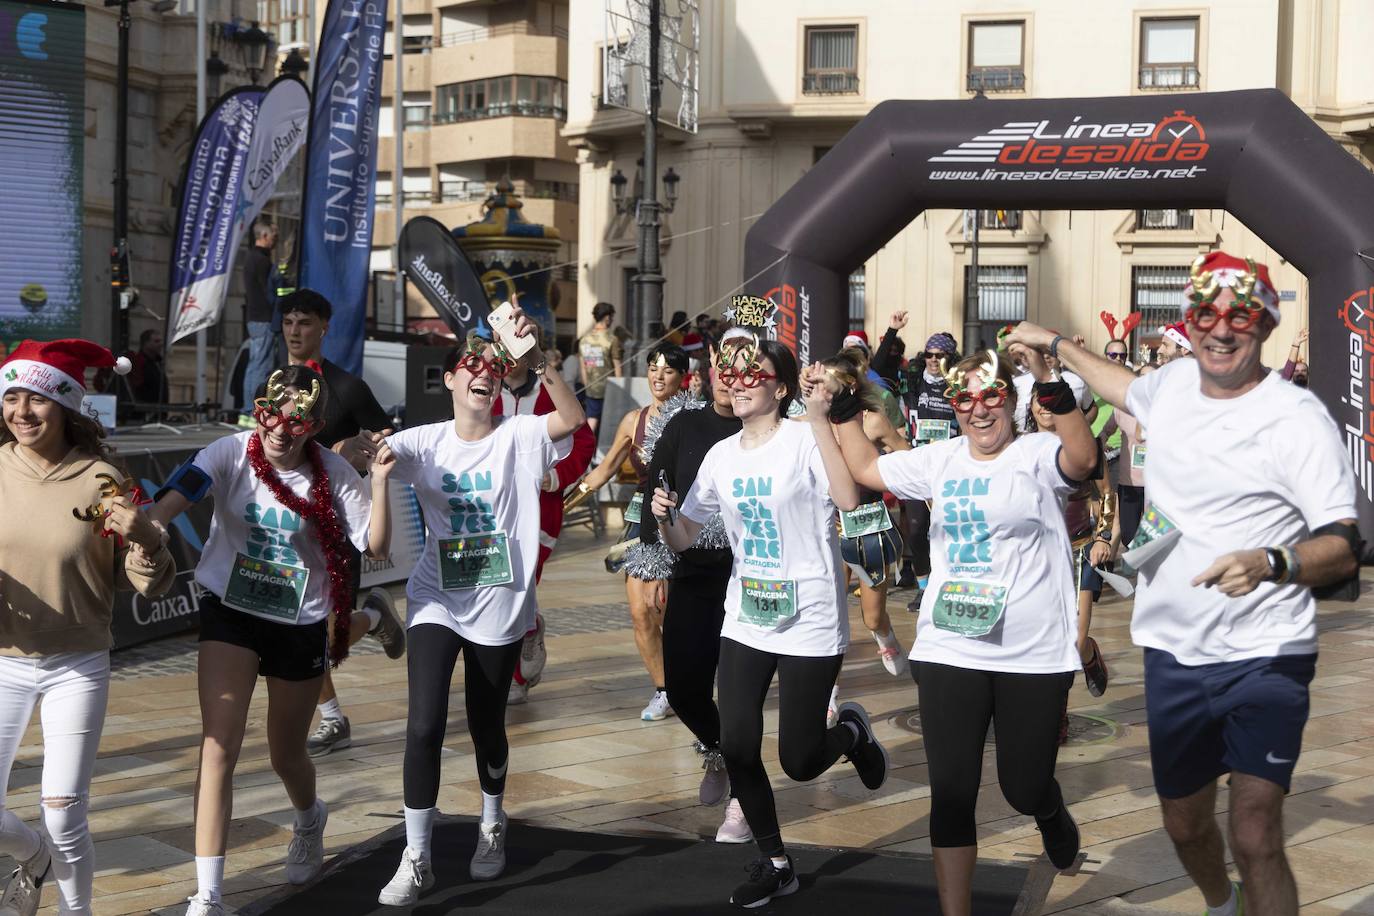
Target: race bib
634,509
1156,535
262,588
474,561
969,608
932,430
1137,457
869,518
767,603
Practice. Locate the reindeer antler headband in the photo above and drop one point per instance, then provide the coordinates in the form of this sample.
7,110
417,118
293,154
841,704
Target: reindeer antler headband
957,379
277,395
1128,324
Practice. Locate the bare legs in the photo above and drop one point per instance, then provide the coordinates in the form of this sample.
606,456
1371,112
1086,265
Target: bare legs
648,627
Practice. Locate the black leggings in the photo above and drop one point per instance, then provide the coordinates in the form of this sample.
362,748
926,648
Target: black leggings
806,747
691,650
1130,502
432,651
956,706
918,535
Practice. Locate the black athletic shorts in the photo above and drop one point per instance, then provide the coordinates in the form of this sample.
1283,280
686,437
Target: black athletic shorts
288,651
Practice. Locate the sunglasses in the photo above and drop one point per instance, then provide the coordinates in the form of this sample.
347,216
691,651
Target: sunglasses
1206,316
992,397
270,416
476,363
1119,357
931,354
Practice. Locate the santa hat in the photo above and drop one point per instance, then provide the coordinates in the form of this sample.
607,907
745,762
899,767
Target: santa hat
691,342
1222,269
856,339
56,369
1178,333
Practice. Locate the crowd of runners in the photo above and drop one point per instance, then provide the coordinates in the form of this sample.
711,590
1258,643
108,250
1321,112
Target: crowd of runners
1008,486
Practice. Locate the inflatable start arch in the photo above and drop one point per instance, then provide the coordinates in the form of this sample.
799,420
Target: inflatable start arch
1253,153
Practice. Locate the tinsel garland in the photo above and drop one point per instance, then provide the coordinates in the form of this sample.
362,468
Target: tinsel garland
654,426
333,541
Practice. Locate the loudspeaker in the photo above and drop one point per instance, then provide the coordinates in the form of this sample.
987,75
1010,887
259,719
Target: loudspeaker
427,400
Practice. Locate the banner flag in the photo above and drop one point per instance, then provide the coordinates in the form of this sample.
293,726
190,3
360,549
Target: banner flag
436,264
283,119
212,188
341,156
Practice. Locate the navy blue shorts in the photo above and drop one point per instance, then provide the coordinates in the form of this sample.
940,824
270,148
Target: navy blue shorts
1088,579
1229,717
592,406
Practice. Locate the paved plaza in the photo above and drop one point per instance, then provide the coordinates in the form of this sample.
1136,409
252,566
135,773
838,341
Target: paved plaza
582,760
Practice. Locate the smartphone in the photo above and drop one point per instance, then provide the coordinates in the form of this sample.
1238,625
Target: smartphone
504,326
663,482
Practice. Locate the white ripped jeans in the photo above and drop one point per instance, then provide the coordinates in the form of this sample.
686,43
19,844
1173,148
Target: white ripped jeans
72,690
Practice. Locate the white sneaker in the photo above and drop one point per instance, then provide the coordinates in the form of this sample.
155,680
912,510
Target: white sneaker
200,906
832,711
894,659
305,855
658,708
413,877
25,886
533,655
489,861
519,694
734,829
715,782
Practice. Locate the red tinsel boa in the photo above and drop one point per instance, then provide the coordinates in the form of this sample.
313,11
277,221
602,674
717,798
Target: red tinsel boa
338,558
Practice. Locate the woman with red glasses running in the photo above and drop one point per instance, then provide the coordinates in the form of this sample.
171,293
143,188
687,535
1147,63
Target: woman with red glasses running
995,639
477,479
276,567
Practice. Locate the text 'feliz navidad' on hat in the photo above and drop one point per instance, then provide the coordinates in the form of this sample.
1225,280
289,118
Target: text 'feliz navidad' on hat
1178,333
1217,270
56,369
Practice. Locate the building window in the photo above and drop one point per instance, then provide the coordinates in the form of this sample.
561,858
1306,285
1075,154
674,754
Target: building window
1157,293
832,60
996,55
1168,54
1164,219
500,97
856,300
416,108
1001,297
1000,219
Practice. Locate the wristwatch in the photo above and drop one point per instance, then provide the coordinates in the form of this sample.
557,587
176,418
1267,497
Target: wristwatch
1278,565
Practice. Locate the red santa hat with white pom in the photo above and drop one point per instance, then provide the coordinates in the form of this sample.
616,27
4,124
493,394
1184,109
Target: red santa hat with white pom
1218,270
56,369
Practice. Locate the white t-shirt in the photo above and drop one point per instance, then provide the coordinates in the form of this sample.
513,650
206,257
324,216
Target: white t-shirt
775,503
249,522
477,496
1081,393
997,523
1260,470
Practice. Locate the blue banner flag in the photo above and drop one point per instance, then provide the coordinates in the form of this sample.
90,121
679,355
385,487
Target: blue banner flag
208,226
341,157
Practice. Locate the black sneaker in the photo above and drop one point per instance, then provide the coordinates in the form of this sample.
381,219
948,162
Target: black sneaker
1060,836
868,756
906,578
1095,670
914,605
766,881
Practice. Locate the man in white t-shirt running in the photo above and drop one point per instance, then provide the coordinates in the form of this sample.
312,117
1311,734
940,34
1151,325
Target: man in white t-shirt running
1252,475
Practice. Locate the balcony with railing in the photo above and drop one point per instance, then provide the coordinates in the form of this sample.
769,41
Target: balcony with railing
459,191
469,36
1170,76
1164,219
996,79
830,82
503,110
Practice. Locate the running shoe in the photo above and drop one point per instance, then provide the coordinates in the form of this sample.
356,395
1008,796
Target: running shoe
519,694
413,877
868,756
894,659
766,881
906,577
715,782
203,906
1060,836
832,709
390,631
914,605
25,886
533,654
490,858
305,855
658,708
1095,670
734,829
330,735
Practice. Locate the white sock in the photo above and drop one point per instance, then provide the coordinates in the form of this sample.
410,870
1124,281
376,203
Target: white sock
330,709
309,817
1226,909
491,808
209,877
888,640
419,830
779,862
18,839
374,617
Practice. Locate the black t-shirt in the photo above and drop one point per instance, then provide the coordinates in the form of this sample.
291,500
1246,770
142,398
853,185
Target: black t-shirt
257,273
680,449
352,407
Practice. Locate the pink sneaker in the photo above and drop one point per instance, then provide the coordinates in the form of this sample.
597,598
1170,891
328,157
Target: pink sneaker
734,829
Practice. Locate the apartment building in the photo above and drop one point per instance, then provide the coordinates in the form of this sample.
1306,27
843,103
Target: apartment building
781,82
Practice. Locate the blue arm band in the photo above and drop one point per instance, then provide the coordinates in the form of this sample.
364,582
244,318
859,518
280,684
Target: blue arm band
188,480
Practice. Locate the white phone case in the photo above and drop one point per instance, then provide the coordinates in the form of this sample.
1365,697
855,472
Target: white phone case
504,327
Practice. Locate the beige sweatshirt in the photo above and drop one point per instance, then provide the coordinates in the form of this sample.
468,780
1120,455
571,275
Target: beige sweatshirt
57,575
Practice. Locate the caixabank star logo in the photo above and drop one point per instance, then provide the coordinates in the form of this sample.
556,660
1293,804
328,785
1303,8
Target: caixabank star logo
1356,416
1080,150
